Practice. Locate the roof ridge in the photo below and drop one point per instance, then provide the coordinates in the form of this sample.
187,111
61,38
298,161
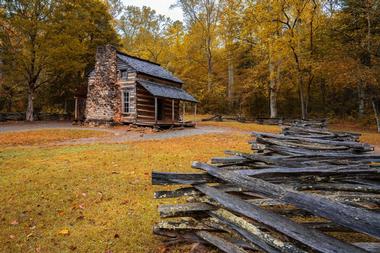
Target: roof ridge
138,58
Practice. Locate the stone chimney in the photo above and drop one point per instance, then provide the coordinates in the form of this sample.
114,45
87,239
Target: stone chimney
103,96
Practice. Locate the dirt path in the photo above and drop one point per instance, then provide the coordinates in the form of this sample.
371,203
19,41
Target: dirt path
116,135
121,136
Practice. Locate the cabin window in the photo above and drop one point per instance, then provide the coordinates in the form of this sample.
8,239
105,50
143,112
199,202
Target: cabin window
126,101
124,74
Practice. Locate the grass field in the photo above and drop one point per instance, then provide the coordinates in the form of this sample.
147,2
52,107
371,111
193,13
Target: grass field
91,198
94,198
39,137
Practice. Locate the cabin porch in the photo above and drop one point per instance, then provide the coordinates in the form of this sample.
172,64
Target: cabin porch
161,105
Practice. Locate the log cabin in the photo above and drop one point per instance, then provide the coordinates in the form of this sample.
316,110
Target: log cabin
123,89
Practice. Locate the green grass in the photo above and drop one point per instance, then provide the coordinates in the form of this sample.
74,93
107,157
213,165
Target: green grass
101,194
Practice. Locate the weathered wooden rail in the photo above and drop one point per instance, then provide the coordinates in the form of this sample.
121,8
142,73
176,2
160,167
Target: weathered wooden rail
307,189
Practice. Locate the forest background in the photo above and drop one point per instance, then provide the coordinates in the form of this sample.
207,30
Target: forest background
257,58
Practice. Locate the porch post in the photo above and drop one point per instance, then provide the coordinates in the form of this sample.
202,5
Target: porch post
76,109
155,110
183,111
195,112
173,111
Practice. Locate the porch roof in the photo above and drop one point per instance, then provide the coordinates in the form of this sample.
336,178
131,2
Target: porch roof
159,90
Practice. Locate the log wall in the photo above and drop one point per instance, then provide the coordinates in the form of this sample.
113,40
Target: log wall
130,85
146,108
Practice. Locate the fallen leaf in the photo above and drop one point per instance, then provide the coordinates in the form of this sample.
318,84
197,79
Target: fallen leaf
15,222
162,249
198,248
64,232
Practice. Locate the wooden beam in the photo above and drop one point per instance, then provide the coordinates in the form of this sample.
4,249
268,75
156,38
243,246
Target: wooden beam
173,110
183,110
76,109
155,110
195,112
255,234
220,243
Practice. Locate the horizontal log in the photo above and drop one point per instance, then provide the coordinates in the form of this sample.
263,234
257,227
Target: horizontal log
187,191
357,219
340,187
309,237
167,178
188,209
351,144
184,225
373,247
254,234
220,243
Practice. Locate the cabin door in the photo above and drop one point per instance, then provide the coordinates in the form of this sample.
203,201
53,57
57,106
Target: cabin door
160,109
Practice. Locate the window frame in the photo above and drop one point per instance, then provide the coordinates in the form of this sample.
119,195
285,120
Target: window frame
126,104
123,74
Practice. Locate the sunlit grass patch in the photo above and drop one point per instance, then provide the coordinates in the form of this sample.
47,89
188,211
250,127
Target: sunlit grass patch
368,135
243,126
371,138
232,124
44,136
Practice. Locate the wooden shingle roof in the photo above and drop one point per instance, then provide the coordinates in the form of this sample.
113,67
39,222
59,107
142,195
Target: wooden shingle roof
159,90
147,67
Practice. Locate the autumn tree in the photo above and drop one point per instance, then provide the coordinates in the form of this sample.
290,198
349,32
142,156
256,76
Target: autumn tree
204,14
230,26
44,43
357,30
143,32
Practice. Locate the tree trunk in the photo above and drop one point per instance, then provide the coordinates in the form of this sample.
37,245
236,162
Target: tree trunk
65,106
30,108
302,96
375,106
274,80
209,64
209,73
361,95
323,94
231,80
308,93
9,104
272,89
273,104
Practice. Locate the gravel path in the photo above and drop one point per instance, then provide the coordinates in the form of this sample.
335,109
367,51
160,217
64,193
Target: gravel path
117,136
